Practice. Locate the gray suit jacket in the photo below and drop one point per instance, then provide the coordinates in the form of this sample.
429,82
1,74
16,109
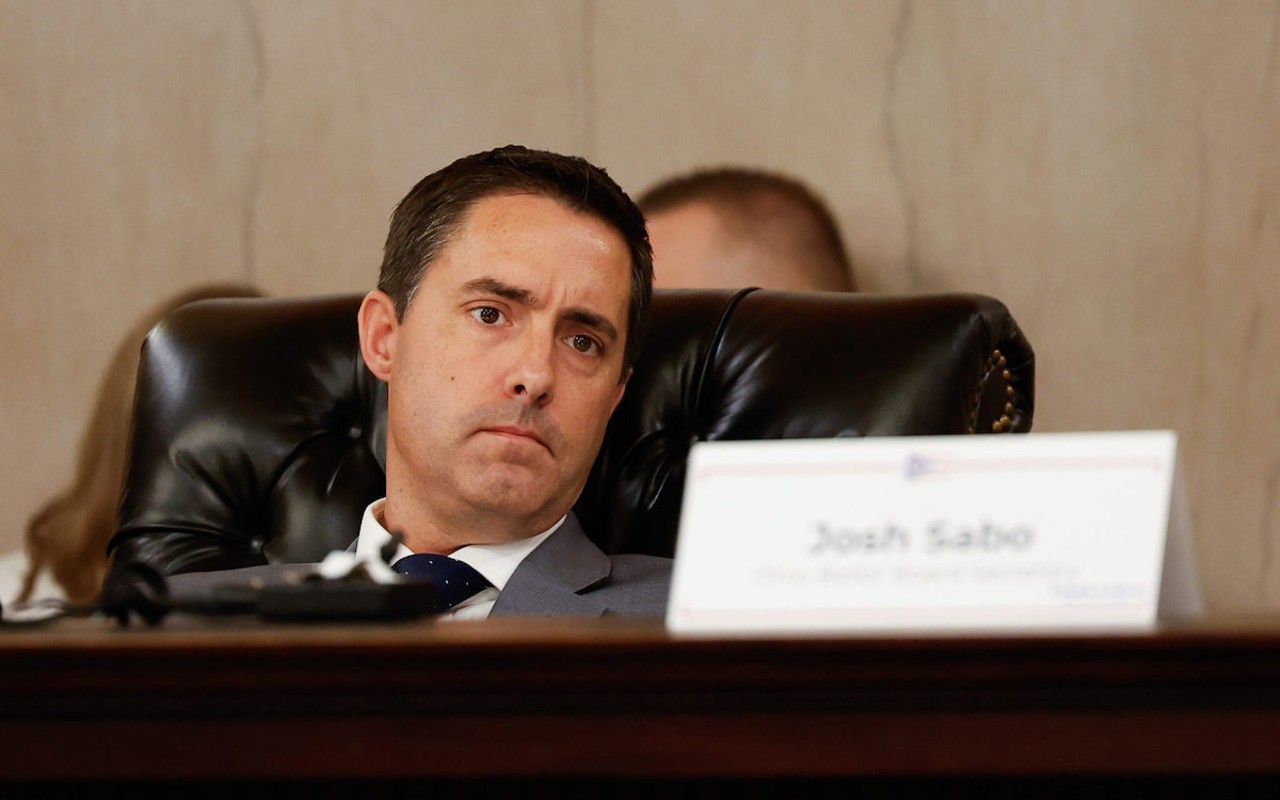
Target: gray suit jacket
566,575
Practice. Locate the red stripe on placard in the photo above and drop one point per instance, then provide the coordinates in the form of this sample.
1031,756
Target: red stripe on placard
917,466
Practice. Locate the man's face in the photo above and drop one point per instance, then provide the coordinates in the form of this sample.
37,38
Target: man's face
504,371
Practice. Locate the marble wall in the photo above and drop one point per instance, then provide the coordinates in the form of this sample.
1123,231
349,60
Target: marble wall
1109,168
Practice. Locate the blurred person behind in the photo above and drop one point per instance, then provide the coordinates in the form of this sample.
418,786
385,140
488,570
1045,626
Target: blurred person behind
731,226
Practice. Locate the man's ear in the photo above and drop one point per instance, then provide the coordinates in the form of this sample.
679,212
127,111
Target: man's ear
378,326
622,389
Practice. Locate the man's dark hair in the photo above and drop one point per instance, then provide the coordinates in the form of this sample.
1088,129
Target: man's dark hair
433,211
754,204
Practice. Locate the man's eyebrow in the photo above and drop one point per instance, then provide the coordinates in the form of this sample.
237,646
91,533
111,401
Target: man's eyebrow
591,319
503,290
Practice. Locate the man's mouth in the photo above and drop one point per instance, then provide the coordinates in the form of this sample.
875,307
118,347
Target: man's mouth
517,433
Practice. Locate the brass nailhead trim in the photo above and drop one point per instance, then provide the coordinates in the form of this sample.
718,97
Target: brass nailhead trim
996,361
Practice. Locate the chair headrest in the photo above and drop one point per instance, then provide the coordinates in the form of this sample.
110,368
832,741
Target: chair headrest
260,435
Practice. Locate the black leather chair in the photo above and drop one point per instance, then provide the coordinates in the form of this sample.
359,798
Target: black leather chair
260,436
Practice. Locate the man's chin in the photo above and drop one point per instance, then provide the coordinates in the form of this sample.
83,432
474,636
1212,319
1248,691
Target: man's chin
515,495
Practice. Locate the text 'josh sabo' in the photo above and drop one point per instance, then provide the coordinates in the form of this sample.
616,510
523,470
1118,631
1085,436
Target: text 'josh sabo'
939,536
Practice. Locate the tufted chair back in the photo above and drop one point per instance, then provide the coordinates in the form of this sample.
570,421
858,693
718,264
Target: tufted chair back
259,435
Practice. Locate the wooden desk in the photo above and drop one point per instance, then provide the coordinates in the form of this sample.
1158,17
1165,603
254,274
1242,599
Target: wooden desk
230,698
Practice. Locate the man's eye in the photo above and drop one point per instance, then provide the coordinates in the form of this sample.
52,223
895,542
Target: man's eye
584,344
487,314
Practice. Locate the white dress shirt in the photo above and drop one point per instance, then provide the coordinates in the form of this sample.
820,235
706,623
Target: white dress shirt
496,562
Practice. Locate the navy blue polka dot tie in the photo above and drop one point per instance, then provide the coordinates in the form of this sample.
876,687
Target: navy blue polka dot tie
454,581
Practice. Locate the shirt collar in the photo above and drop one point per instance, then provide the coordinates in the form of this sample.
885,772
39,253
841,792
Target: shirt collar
496,562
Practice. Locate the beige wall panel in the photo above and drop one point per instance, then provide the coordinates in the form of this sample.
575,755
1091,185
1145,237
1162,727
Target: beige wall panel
123,148
1111,171
360,100
1237,416
798,87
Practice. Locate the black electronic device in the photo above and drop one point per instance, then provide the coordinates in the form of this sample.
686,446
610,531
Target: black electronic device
345,600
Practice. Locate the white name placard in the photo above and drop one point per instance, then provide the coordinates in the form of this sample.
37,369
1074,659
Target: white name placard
1038,531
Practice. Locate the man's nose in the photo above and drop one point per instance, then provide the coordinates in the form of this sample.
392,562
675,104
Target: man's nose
532,376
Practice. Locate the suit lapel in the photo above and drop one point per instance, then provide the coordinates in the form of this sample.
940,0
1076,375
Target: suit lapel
551,580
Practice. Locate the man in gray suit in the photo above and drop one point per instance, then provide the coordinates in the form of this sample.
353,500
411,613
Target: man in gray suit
511,304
